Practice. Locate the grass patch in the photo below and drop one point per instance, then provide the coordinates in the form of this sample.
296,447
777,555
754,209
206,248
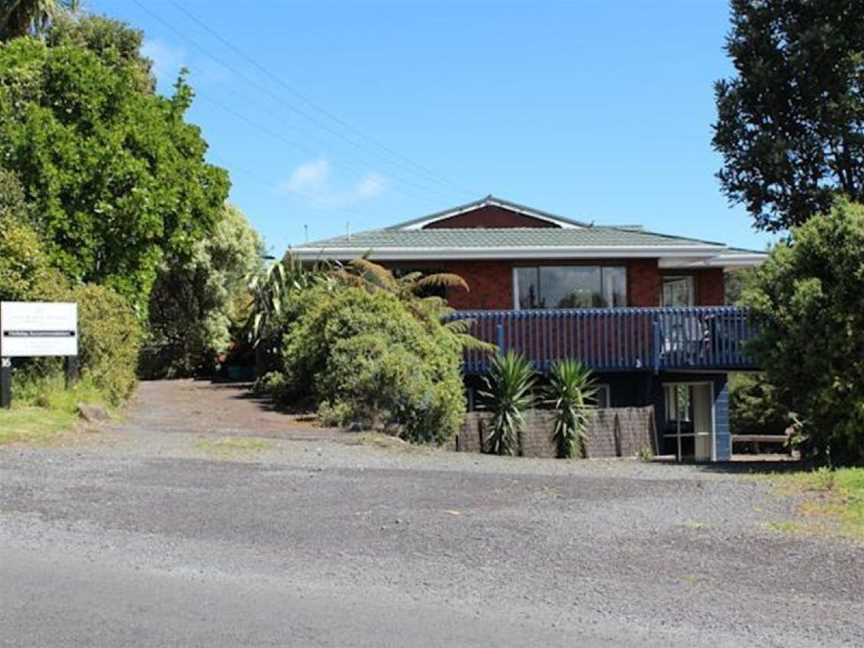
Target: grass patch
228,446
830,496
35,425
44,410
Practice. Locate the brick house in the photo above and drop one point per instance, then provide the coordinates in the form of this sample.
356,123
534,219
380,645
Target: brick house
645,310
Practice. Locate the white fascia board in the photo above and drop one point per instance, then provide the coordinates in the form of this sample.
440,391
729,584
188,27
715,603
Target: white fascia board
726,261
486,203
693,254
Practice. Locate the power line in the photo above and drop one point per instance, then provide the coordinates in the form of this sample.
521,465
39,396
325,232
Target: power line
270,133
432,174
265,90
255,178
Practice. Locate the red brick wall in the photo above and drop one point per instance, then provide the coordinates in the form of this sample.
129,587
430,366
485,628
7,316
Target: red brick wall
643,282
491,284
710,287
489,216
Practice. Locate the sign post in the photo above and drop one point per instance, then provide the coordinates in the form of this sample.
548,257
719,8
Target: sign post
36,329
6,382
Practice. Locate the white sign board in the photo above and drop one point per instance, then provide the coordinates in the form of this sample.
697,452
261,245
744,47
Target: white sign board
30,329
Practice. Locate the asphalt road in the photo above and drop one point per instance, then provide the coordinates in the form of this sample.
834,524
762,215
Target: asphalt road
143,535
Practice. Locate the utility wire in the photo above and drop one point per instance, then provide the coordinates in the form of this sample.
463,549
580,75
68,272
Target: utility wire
255,178
272,134
263,89
391,152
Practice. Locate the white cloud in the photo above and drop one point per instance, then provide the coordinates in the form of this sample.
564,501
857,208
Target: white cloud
313,181
371,186
308,178
167,59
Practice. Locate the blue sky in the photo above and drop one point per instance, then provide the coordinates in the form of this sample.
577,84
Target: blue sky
368,113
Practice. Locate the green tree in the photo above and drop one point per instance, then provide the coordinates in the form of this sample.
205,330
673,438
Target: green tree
734,283
115,175
115,43
789,122
807,298
12,202
24,268
22,17
753,406
199,299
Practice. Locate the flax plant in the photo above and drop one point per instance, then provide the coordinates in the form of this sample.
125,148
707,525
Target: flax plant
572,394
508,394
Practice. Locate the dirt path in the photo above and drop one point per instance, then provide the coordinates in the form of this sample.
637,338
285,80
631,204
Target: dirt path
202,407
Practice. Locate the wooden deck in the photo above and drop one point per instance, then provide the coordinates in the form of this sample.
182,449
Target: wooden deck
618,339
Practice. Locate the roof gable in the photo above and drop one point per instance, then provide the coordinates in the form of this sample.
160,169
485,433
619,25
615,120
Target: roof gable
489,212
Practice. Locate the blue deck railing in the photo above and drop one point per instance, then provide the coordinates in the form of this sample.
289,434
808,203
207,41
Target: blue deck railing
610,339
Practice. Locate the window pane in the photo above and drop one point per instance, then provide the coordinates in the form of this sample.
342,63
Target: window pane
570,286
678,291
614,286
529,289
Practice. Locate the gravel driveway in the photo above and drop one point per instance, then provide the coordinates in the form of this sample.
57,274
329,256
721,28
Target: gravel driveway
144,535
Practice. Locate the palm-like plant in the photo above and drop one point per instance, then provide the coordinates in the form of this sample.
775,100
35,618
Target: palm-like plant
508,394
572,393
268,290
409,289
21,17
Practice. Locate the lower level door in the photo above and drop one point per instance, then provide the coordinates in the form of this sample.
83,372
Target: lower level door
703,421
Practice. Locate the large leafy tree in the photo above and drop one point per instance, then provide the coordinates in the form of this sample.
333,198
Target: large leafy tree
199,300
24,268
22,17
790,123
808,299
115,175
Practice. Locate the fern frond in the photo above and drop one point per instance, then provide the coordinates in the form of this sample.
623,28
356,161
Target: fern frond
371,270
442,279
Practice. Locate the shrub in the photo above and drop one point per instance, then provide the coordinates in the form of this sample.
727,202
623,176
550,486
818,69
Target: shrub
807,298
380,385
23,263
109,337
364,353
337,414
571,392
753,406
508,394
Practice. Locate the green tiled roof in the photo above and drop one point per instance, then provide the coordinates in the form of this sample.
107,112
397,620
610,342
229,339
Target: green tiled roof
514,237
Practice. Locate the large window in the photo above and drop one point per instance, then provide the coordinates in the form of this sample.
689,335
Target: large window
571,286
678,290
